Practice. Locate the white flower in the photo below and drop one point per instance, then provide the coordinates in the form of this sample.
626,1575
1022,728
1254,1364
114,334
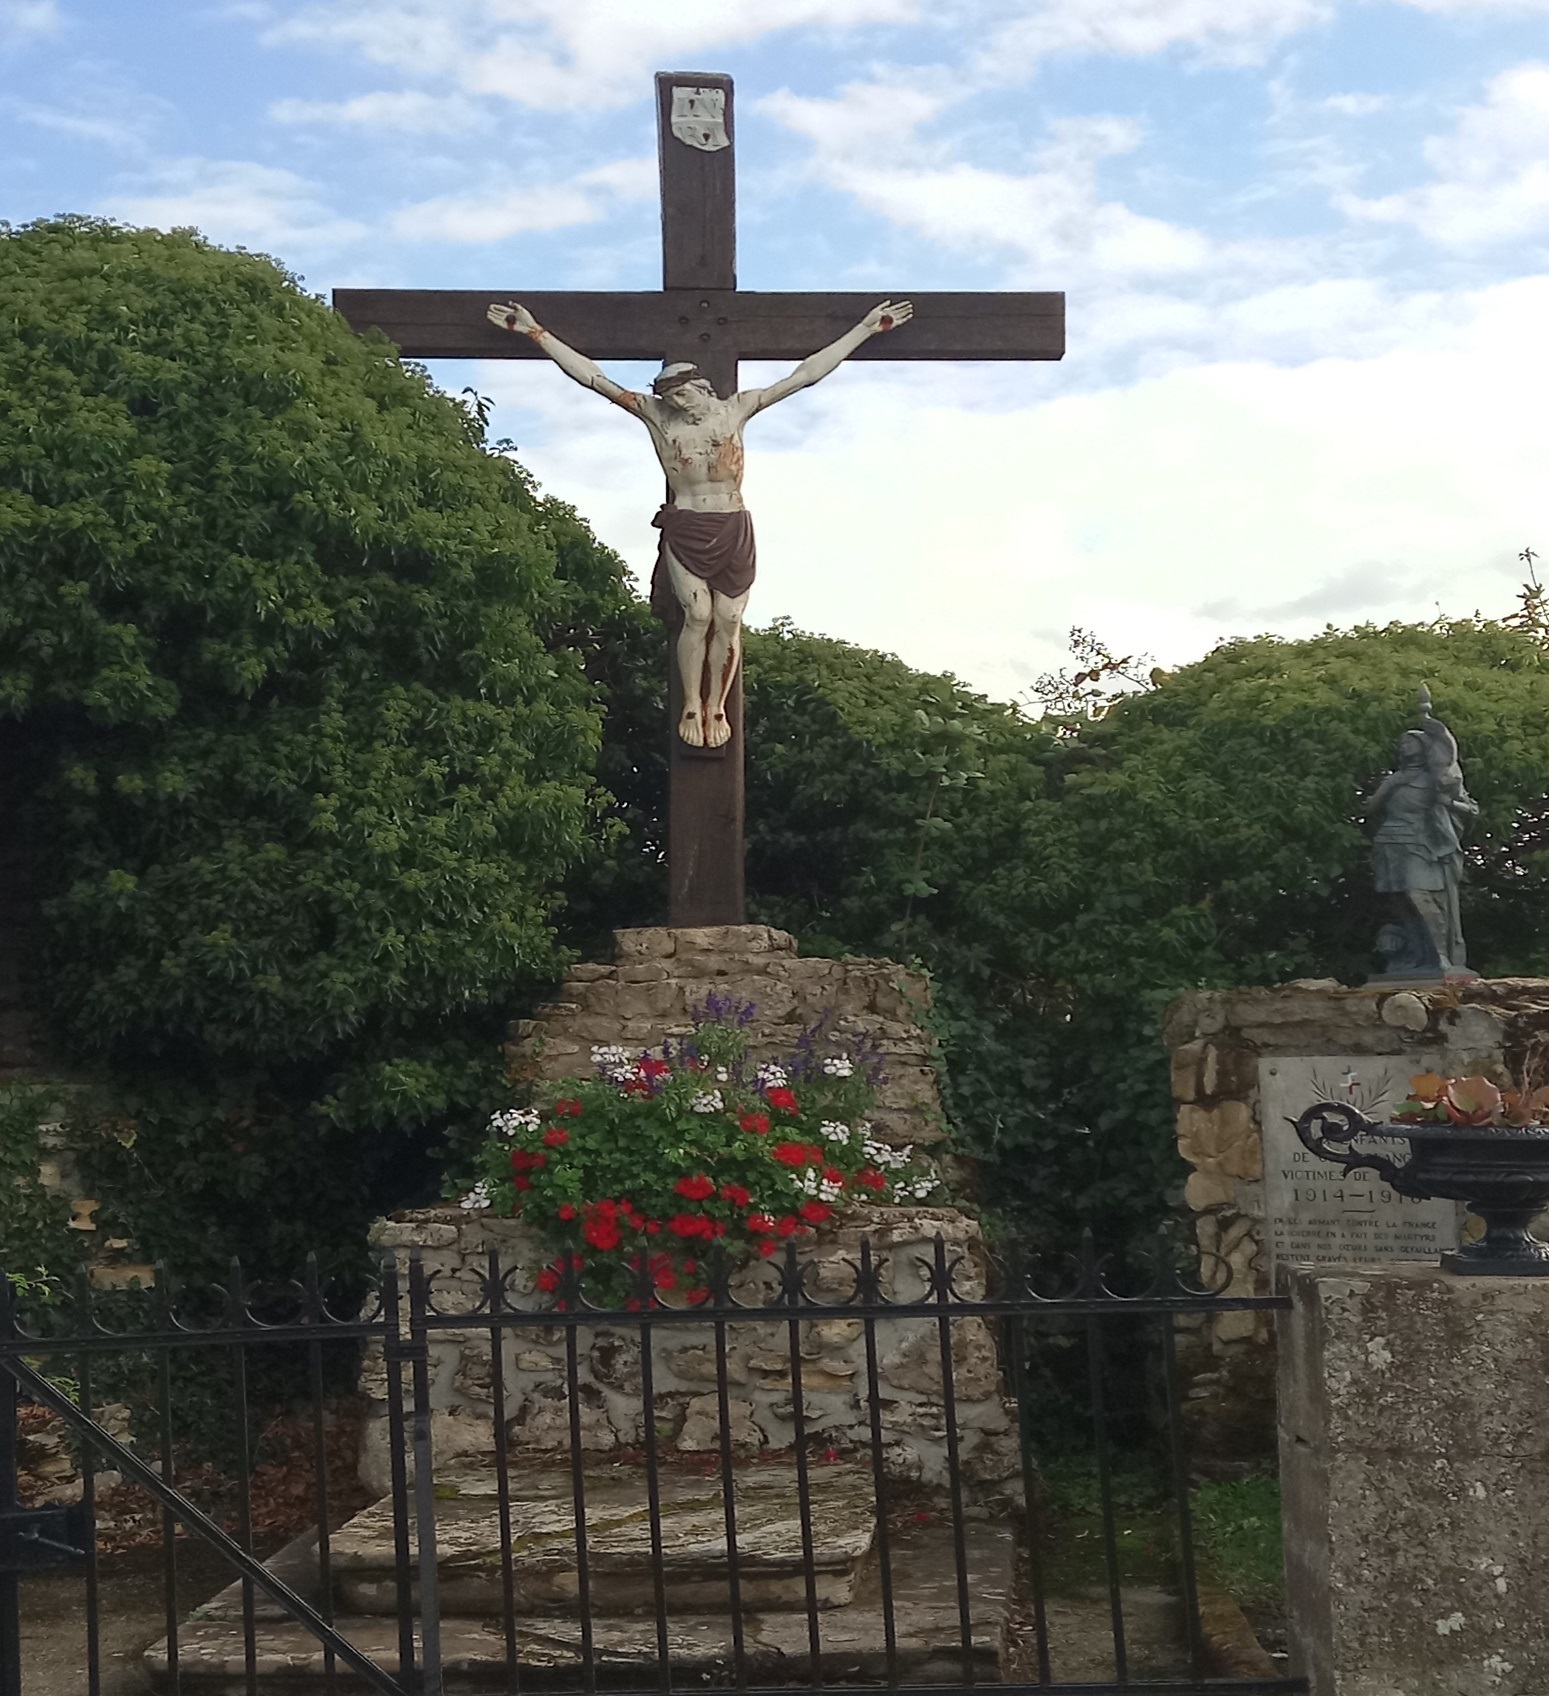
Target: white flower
838,1066
512,1120
476,1198
832,1131
722,1076
707,1101
828,1190
889,1159
811,1181
611,1054
921,1188
772,1076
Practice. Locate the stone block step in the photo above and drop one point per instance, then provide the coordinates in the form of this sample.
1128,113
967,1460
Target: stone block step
852,1649
618,1539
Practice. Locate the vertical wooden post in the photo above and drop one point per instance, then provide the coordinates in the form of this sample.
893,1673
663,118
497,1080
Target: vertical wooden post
705,799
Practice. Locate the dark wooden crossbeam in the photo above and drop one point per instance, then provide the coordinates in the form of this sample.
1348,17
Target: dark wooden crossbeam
700,314
741,323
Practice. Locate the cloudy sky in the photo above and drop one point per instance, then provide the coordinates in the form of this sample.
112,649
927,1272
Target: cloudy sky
1305,245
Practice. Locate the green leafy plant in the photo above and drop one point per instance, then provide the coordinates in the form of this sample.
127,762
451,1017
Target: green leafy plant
38,1250
637,1173
1237,1536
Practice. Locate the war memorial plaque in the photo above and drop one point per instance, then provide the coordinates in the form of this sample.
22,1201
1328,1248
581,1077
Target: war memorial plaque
1319,1213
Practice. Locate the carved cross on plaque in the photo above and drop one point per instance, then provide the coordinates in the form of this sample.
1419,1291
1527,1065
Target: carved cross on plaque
701,317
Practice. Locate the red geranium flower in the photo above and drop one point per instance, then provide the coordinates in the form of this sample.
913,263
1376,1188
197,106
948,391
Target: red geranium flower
871,1178
602,1232
548,1279
522,1181
758,1123
788,1226
527,1160
735,1194
815,1212
782,1100
695,1188
651,1067
766,1248
687,1225
554,1137
653,1227
568,1108
791,1153
567,1210
833,1175
760,1224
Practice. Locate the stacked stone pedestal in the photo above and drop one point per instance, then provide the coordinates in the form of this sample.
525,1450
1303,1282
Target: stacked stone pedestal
662,977
654,992
683,1421
1242,1062
454,1249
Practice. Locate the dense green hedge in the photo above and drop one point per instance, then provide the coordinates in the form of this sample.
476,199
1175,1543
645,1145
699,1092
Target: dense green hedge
296,680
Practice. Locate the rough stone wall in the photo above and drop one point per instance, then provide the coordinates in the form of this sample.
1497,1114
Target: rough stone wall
661,975
1217,1039
1415,1473
455,1245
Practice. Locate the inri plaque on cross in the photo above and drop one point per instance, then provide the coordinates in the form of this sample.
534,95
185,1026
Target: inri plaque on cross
701,319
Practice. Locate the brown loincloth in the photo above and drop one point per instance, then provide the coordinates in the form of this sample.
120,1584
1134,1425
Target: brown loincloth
716,546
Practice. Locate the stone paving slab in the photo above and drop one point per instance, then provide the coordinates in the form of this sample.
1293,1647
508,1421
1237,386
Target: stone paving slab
852,1640
618,1539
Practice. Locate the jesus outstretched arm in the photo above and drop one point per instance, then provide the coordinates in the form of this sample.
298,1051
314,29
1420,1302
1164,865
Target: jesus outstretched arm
887,316
586,372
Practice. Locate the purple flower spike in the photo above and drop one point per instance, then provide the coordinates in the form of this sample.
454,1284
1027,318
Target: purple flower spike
719,1009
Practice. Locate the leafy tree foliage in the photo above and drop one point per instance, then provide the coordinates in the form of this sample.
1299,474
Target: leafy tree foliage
294,677
1063,878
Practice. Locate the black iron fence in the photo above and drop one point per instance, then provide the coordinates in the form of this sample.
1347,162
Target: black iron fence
766,1483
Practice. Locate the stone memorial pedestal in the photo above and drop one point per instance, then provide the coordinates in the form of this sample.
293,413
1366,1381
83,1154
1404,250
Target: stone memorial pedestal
650,994
1244,1062
1414,1457
661,976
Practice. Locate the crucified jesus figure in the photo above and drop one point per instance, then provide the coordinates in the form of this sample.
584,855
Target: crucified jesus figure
706,557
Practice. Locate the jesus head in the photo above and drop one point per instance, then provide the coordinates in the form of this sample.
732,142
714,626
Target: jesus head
684,386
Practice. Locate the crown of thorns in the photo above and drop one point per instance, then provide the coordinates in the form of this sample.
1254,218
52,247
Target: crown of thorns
674,377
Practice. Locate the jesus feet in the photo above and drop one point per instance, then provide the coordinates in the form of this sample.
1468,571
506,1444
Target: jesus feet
691,727
719,732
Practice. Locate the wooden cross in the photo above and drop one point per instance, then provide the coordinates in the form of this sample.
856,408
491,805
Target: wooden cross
700,314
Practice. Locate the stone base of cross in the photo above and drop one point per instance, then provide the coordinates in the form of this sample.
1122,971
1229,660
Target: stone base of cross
700,316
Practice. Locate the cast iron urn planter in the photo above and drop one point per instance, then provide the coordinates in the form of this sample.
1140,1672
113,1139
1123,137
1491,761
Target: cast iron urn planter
1501,1171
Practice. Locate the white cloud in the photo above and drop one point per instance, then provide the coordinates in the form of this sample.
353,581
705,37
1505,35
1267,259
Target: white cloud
557,54
25,20
1357,105
408,111
1053,216
1480,8
896,510
1237,31
112,121
235,202
501,213
1491,179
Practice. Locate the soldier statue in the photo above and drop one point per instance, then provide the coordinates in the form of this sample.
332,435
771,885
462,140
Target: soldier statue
1417,852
